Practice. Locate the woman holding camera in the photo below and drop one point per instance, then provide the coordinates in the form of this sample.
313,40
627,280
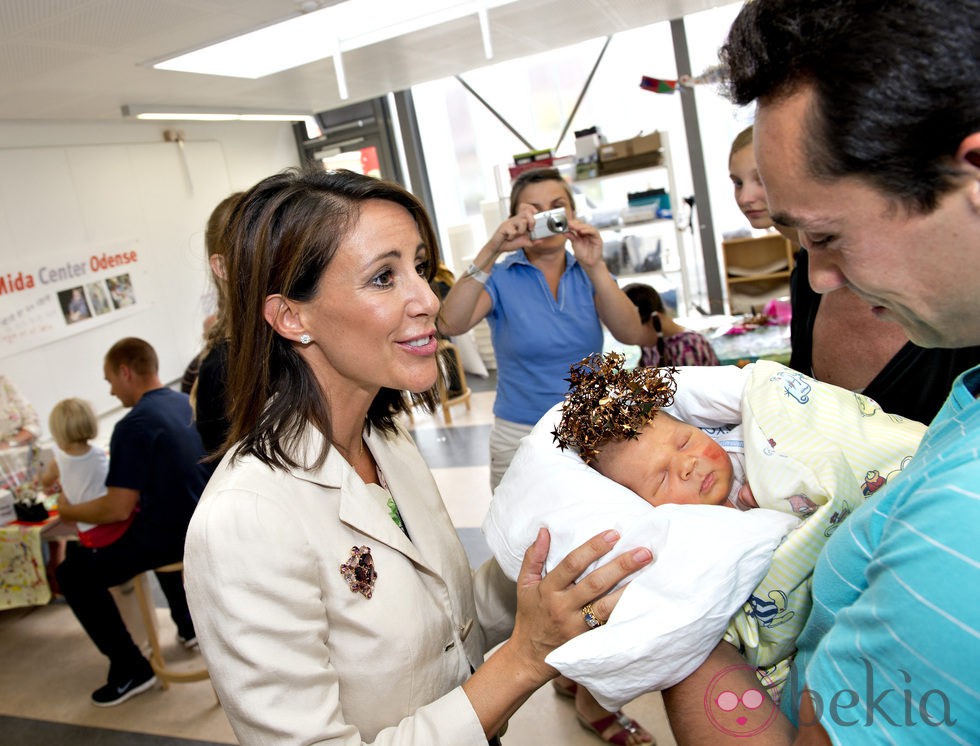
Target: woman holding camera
546,306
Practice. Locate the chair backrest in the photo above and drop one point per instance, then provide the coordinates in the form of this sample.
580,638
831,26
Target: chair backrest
450,365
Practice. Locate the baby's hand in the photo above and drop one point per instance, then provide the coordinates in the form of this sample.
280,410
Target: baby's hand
746,498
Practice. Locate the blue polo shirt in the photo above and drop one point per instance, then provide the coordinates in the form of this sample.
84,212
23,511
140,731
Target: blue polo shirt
536,337
892,646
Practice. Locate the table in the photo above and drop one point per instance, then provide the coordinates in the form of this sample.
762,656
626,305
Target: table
23,572
762,343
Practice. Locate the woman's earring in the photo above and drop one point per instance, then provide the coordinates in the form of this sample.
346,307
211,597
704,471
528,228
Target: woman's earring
305,339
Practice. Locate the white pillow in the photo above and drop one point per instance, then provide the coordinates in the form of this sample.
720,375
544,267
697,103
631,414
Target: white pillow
708,559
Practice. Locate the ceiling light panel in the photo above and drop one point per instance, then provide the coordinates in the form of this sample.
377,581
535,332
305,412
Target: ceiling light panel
320,34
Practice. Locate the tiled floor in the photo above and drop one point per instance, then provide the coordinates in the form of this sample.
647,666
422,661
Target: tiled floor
49,666
49,669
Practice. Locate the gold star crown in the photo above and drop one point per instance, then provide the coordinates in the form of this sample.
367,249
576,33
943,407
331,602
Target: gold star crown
605,402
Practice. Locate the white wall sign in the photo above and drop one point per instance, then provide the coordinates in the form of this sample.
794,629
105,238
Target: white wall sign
77,291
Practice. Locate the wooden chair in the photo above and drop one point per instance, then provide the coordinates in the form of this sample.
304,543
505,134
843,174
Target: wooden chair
448,352
165,672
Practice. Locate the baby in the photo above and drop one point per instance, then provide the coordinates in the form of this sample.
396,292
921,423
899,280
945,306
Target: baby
656,455
695,442
673,462
615,419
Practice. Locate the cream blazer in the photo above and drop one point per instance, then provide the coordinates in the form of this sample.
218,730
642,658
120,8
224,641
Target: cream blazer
295,655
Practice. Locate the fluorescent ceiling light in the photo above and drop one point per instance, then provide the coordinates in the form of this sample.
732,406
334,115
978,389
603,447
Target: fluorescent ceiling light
217,114
324,33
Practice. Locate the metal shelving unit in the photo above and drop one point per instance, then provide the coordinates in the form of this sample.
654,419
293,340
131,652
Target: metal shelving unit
610,190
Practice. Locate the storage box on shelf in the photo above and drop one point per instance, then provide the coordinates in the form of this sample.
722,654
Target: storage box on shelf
635,146
757,268
636,153
531,159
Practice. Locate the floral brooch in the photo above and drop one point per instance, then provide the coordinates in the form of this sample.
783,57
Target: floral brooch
359,571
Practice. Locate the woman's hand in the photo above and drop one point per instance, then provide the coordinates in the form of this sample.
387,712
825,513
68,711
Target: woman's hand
468,302
513,233
586,245
549,609
549,612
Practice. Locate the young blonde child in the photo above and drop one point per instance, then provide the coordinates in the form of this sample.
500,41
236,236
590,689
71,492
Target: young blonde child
80,466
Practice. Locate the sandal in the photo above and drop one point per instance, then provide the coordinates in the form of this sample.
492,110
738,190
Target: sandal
627,728
565,691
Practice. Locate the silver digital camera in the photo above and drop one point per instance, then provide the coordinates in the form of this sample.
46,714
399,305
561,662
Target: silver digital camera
549,222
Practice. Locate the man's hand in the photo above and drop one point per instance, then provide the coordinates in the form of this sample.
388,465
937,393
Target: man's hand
116,505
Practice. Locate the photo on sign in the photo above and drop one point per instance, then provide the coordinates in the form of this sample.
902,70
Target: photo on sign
121,291
73,304
98,297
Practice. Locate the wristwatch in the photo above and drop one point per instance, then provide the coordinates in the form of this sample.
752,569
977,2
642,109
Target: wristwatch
477,274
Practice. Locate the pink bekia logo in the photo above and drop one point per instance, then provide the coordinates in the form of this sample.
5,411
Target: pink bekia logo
735,710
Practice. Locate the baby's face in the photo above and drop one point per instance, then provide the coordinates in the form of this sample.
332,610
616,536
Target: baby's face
670,462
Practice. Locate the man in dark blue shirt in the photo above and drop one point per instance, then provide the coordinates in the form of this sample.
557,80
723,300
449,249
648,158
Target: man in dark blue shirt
155,477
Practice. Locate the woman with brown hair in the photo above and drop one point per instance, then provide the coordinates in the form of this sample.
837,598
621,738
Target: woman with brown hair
331,596
545,305
208,395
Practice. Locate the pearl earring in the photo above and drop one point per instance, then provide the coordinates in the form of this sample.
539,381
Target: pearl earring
305,339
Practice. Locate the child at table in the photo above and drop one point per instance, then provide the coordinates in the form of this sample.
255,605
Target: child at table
80,466
762,435
676,345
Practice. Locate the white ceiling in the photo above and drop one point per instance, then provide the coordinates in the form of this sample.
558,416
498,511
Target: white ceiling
84,59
